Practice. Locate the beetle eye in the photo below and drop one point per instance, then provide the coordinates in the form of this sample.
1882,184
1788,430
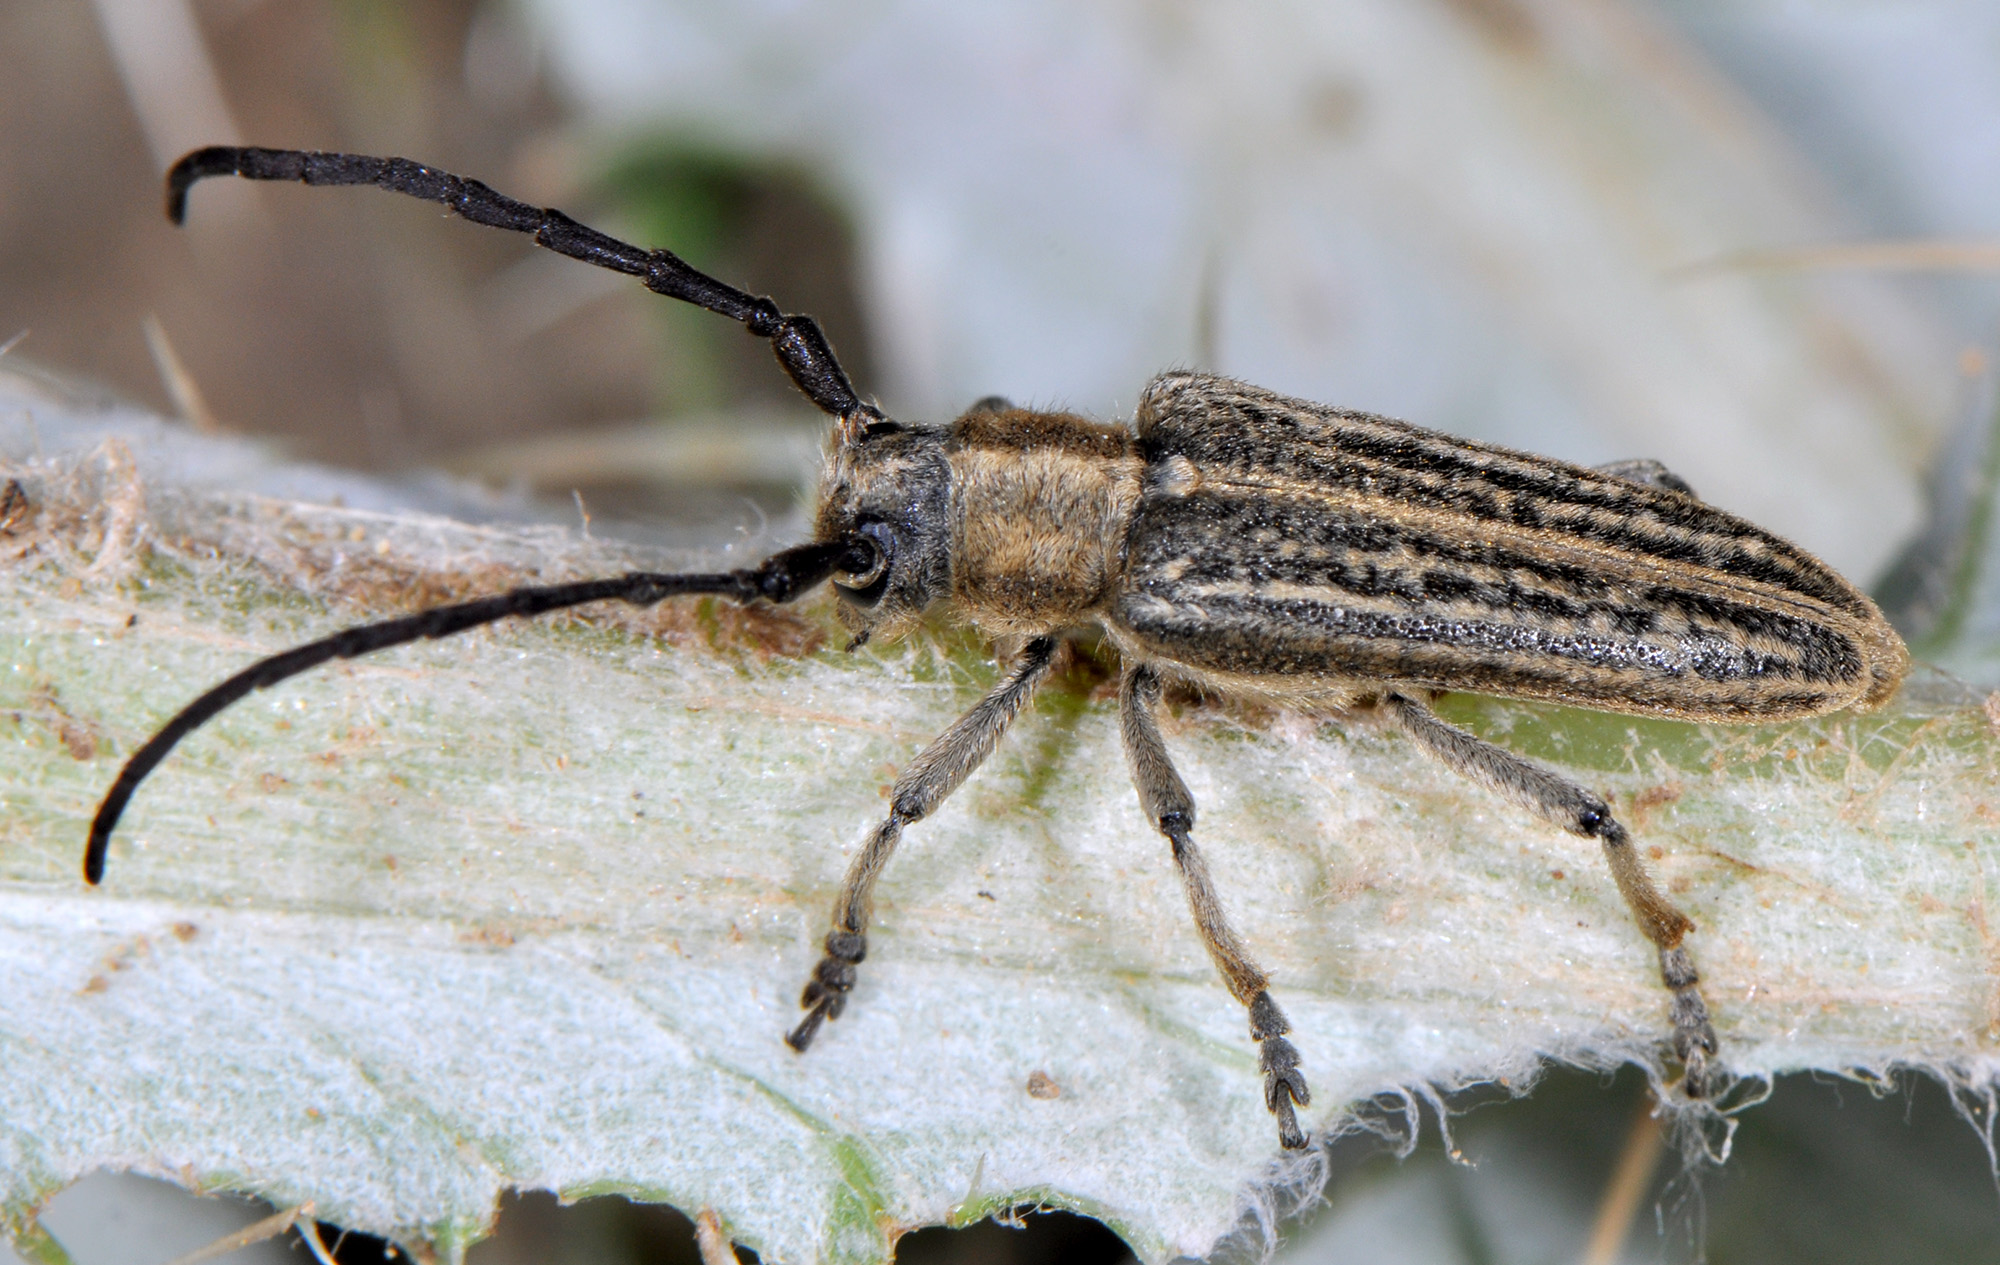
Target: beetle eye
866,566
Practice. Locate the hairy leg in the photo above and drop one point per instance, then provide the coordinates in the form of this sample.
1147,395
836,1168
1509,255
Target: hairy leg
1580,811
1166,800
936,772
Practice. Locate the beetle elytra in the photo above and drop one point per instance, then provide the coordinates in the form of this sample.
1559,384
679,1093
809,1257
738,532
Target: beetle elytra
1229,539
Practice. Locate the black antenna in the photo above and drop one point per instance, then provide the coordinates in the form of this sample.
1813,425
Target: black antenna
796,340
780,578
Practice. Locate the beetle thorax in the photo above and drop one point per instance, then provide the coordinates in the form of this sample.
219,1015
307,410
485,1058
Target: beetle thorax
1040,503
1019,518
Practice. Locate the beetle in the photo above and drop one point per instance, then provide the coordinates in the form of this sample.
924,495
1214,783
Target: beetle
1231,540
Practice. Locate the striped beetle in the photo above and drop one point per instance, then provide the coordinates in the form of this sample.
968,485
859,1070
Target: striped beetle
1229,539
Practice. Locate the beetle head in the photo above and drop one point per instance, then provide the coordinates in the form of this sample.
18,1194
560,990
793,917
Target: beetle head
888,488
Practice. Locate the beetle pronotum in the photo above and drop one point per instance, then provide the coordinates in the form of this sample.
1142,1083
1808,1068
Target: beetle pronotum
1229,539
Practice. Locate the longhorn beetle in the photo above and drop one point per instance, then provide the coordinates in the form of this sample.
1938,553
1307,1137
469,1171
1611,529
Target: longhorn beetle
1228,539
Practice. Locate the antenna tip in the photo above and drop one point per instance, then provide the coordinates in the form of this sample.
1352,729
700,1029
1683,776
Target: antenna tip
192,166
94,853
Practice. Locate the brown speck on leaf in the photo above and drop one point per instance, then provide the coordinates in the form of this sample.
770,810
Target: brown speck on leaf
1041,1085
1655,851
1645,800
271,783
389,861
766,631
78,737
493,936
185,931
1557,875
96,984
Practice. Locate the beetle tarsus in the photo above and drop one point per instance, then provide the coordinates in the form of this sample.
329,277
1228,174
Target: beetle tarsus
832,980
1284,1083
1694,1036
801,1037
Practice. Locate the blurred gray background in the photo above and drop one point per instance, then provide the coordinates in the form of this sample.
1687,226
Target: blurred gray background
1756,239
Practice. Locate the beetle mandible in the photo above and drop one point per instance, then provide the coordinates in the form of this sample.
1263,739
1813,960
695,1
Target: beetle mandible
1229,539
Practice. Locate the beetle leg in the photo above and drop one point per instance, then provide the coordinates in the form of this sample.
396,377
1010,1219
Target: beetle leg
1582,812
936,772
1166,800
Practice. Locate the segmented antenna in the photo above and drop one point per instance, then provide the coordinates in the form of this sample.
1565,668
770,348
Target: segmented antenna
780,578
796,340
